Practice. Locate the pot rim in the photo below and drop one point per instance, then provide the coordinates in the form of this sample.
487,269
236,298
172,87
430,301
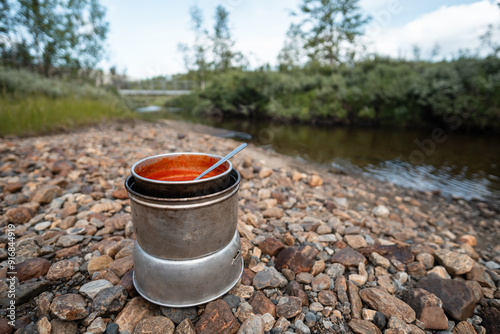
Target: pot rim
180,183
130,182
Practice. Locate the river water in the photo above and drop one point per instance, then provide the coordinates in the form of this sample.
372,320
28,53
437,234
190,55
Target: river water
456,164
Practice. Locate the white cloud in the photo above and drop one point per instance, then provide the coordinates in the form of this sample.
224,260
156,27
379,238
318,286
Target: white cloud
451,27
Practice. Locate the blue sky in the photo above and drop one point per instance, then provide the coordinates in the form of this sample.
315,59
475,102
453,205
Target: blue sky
144,36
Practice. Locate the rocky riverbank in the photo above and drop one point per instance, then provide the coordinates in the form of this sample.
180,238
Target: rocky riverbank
324,252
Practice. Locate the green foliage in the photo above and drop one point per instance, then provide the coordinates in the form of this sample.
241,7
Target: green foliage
31,104
331,29
375,91
53,36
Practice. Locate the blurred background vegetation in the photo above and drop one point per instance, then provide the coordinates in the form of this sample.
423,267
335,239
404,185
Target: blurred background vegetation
50,79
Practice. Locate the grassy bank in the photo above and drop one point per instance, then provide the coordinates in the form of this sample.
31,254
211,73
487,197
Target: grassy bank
31,104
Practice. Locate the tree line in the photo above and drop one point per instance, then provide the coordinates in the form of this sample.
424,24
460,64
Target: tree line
53,37
325,76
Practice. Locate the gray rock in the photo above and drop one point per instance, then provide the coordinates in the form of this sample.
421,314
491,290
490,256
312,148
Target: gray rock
91,289
288,307
110,300
253,325
269,278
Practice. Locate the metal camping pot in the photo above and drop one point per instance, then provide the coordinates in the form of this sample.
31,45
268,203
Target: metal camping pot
183,235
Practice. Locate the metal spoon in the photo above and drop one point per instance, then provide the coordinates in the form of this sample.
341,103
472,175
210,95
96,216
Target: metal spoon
221,161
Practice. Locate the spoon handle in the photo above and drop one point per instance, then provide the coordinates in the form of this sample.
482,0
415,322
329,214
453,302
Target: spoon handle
221,161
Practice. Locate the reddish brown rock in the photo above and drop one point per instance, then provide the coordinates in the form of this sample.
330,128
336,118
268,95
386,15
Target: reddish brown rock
121,266
68,252
478,273
293,259
217,318
490,317
348,257
19,215
288,307
127,282
457,297
120,193
463,327
262,305
271,246
363,327
295,289
434,318
5,327
69,307
117,222
247,277
13,187
62,269
133,312
356,304
155,325
398,252
32,268
416,269
327,298
387,304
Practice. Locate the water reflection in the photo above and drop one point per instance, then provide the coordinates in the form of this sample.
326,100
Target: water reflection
464,165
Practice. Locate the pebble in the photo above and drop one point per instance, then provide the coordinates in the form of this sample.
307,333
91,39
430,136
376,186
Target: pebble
305,244
457,298
152,325
288,307
109,300
252,325
387,304
455,263
91,289
69,307
62,269
217,318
